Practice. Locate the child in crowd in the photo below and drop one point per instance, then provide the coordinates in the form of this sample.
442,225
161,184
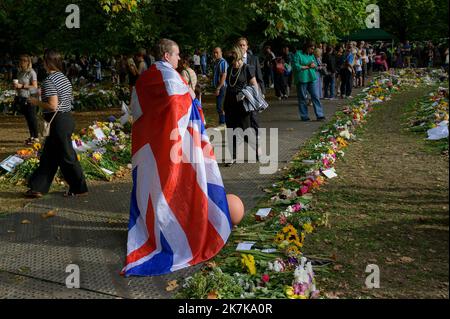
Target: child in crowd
358,70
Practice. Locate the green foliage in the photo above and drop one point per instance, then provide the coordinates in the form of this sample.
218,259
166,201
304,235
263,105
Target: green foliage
201,284
415,19
321,20
123,26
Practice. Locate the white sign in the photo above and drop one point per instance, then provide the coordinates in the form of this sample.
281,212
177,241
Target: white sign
107,171
263,212
10,163
246,245
269,250
330,173
99,134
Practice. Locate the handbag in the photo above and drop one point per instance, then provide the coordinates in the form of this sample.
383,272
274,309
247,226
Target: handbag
45,131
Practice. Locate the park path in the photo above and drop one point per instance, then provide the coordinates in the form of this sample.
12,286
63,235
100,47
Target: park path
91,232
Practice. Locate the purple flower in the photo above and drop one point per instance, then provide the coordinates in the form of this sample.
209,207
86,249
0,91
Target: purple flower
111,118
292,261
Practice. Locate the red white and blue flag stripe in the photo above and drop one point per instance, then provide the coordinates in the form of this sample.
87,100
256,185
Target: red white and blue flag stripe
179,212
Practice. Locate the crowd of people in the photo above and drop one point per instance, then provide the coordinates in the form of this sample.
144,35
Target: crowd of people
321,71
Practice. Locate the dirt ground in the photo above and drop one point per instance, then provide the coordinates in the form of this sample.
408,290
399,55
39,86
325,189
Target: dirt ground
389,206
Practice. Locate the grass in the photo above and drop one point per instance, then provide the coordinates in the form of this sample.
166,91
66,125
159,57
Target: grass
389,206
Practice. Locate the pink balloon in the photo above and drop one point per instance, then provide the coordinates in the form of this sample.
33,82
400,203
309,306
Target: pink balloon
236,208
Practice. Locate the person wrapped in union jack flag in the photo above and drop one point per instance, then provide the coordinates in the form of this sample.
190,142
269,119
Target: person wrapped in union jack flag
179,215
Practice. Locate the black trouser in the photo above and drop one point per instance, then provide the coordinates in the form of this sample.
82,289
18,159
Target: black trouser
58,152
346,83
280,84
236,117
30,113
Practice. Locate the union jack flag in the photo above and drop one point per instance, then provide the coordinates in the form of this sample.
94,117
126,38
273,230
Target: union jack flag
179,212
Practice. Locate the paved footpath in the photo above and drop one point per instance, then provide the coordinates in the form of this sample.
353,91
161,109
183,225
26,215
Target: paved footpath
91,232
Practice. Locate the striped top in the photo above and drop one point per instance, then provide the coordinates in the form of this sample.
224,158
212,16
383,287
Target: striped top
220,67
58,84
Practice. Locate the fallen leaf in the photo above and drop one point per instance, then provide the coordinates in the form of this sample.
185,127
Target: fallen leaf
333,295
211,264
171,285
25,221
337,267
212,295
49,214
406,260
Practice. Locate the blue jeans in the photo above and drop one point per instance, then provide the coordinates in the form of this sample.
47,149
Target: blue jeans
302,92
219,105
328,82
319,84
203,66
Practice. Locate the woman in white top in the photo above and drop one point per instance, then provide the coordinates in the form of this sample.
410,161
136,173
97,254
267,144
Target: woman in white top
27,82
196,58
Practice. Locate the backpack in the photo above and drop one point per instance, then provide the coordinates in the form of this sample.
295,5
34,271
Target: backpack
279,66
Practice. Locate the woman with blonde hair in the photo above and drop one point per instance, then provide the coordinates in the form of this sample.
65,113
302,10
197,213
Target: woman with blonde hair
25,84
239,75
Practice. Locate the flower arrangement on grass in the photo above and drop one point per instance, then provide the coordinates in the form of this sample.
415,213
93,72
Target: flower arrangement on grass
275,266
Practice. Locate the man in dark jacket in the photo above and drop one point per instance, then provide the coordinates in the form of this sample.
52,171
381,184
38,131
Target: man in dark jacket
329,59
253,61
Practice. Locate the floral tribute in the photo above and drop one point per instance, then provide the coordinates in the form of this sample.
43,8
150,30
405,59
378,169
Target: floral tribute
275,266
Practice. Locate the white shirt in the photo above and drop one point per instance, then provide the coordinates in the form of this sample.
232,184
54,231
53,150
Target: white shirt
196,59
245,58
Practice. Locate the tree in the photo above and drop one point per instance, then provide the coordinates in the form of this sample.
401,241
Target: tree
321,20
415,19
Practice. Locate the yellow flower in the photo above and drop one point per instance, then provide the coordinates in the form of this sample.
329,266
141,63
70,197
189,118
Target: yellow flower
279,238
293,237
37,146
289,229
289,291
249,262
97,156
298,244
293,251
308,228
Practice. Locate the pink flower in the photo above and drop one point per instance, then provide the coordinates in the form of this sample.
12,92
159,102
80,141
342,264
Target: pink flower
297,207
304,190
283,220
307,182
265,278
